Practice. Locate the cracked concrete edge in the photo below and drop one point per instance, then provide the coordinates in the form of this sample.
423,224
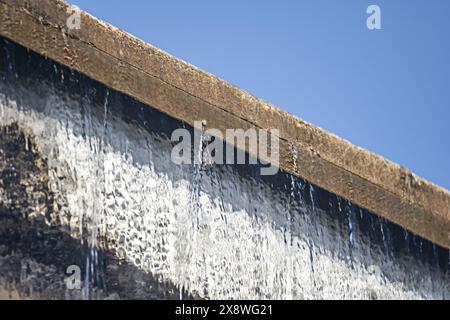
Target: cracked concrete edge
129,65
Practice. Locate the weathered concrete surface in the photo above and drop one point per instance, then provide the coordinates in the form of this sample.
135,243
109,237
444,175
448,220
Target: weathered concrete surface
184,92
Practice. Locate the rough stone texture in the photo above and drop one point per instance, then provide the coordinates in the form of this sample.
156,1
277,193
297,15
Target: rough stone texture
184,92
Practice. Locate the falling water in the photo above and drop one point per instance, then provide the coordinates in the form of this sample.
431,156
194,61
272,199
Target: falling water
140,226
195,205
93,272
293,191
197,179
289,275
312,223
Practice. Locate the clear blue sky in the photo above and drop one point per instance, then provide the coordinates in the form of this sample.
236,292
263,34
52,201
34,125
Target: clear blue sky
385,90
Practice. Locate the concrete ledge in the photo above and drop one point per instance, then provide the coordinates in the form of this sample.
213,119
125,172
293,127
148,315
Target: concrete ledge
125,63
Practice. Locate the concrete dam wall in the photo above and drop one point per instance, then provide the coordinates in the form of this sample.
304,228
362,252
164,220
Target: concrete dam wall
87,184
